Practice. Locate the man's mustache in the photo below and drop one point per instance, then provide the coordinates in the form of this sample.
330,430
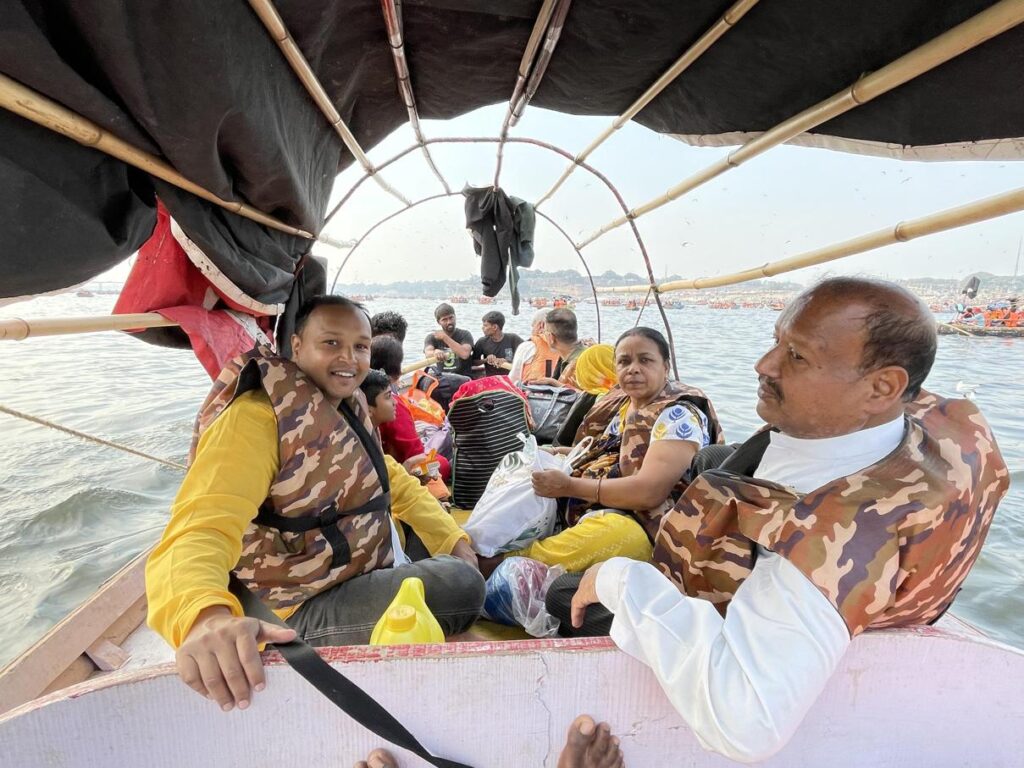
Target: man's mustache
771,385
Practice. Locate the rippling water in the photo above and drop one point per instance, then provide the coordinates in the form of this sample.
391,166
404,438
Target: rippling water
72,513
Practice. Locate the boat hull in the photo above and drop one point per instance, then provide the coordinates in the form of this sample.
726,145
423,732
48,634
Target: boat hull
918,697
960,329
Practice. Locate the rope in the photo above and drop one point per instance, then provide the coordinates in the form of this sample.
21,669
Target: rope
92,438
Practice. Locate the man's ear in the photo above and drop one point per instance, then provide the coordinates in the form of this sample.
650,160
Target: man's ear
887,387
296,343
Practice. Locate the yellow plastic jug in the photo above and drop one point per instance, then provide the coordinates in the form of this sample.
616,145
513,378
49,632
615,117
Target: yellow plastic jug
407,621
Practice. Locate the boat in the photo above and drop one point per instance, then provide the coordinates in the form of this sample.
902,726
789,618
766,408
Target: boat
969,329
458,300
539,302
485,300
99,687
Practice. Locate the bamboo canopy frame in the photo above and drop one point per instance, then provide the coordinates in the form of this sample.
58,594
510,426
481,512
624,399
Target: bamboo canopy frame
728,19
993,21
951,218
998,18
551,148
297,61
393,21
442,196
549,24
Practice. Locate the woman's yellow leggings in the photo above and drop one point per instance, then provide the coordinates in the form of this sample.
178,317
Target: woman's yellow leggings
592,540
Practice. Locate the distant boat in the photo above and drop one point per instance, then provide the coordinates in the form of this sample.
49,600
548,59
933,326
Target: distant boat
613,301
485,300
563,302
539,303
84,293
458,300
633,305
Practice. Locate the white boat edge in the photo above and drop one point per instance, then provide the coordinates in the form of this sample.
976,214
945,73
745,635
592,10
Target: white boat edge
953,691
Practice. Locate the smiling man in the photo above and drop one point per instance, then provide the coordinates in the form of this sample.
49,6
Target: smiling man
288,489
863,506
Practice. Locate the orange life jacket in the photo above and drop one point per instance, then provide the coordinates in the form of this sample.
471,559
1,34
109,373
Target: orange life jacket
544,361
419,401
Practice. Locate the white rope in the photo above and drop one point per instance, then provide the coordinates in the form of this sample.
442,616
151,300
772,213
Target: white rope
92,438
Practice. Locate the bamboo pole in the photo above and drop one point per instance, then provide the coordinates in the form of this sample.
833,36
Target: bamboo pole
17,329
396,39
954,328
951,218
993,21
296,59
694,52
542,27
551,38
419,364
33,106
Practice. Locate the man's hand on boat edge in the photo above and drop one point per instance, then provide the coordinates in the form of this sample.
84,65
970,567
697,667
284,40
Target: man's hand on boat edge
220,658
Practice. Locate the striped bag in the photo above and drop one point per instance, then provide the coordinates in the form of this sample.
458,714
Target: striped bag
486,416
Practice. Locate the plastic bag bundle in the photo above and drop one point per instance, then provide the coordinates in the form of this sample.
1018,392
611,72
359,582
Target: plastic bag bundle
509,515
516,592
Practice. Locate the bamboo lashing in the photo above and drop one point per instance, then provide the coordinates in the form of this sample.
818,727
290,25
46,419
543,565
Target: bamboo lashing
33,106
91,438
396,39
694,52
296,59
547,50
951,218
17,329
993,21
532,66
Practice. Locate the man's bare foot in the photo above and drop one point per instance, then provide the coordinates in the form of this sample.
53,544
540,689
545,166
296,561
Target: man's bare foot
379,758
590,746
587,746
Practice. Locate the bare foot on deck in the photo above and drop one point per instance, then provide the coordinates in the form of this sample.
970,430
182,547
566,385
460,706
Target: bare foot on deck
379,758
589,745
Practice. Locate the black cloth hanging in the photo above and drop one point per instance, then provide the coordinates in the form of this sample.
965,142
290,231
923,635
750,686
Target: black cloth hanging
502,229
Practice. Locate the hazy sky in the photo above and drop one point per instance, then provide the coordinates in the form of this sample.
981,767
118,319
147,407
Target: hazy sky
785,202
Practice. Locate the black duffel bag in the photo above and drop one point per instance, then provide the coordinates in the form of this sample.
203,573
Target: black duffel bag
549,407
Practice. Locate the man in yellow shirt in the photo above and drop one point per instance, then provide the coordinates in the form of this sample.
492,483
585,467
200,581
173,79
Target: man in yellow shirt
288,489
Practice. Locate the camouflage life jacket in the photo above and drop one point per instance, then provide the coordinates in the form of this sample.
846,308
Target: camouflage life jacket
621,455
888,546
327,517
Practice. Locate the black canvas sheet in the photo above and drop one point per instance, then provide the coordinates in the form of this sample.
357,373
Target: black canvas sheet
202,85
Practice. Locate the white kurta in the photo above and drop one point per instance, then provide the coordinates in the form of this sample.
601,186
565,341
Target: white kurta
745,682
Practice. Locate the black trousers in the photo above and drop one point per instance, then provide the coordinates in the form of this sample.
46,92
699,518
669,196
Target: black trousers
598,619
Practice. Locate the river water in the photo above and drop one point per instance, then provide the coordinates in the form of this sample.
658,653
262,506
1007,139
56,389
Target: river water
72,512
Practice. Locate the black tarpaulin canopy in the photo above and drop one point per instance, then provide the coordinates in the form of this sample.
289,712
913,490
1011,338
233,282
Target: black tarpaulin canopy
203,86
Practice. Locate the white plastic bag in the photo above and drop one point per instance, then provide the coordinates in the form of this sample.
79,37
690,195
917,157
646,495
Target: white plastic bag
509,515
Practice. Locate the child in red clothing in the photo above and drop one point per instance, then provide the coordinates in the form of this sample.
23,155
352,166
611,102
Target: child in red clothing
389,414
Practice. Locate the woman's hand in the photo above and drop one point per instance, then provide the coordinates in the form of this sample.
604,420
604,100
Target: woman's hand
551,483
